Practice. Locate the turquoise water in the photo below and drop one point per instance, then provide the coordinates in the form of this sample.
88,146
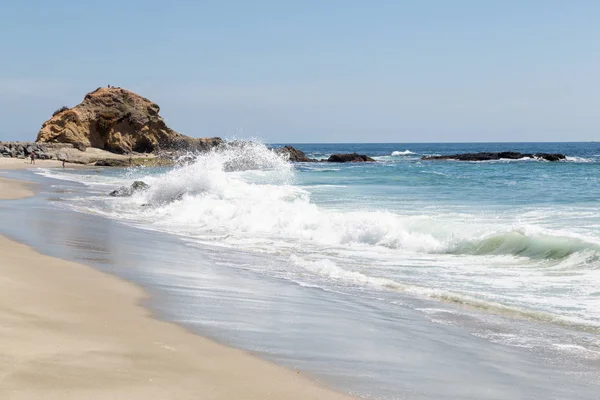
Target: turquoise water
501,256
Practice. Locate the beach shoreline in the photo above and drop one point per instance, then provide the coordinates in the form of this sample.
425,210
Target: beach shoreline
282,294
7,163
69,331
11,189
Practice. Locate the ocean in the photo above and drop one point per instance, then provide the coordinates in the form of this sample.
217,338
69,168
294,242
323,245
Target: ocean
400,279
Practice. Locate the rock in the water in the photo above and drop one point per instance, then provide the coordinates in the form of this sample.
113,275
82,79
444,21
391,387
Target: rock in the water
294,154
550,157
125,191
353,157
506,155
139,185
119,121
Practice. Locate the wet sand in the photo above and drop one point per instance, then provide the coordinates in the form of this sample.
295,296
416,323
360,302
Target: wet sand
11,189
68,331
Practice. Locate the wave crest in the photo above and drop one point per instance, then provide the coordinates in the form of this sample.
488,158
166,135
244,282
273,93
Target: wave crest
401,153
245,192
519,243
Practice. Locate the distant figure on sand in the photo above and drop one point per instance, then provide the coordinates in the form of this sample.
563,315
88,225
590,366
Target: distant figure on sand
63,163
32,156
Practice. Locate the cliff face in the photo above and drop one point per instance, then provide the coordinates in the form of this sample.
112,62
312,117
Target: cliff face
119,121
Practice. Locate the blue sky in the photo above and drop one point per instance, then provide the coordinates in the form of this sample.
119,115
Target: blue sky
314,71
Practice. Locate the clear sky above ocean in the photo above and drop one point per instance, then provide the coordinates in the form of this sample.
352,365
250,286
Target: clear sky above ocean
314,71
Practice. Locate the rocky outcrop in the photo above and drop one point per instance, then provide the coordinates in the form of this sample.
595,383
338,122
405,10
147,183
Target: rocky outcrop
112,163
119,121
91,156
125,191
293,154
296,155
353,157
506,155
144,161
23,150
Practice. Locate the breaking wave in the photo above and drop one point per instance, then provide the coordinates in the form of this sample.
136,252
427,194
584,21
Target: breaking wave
402,153
247,197
519,243
246,193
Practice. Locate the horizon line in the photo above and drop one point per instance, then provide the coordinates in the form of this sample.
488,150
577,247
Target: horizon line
433,142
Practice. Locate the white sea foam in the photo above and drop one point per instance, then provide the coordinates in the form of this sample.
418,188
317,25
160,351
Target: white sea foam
328,269
248,191
573,159
578,350
402,153
579,159
245,197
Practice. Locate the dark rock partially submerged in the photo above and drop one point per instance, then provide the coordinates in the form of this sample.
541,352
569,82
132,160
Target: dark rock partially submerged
506,155
294,154
353,157
125,191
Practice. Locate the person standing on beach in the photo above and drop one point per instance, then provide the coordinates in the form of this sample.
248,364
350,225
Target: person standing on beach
32,155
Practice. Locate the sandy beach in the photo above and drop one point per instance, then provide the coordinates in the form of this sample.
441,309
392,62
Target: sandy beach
19,163
11,189
68,331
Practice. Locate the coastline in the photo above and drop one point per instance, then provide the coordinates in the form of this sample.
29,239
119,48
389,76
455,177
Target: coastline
326,314
68,330
20,163
11,189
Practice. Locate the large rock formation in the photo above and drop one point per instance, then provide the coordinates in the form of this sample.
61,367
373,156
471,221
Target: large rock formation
506,155
119,121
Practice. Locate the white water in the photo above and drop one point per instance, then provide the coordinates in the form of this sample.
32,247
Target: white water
402,153
246,197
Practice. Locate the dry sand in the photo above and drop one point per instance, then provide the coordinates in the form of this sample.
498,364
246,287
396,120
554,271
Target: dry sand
68,331
19,163
11,189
